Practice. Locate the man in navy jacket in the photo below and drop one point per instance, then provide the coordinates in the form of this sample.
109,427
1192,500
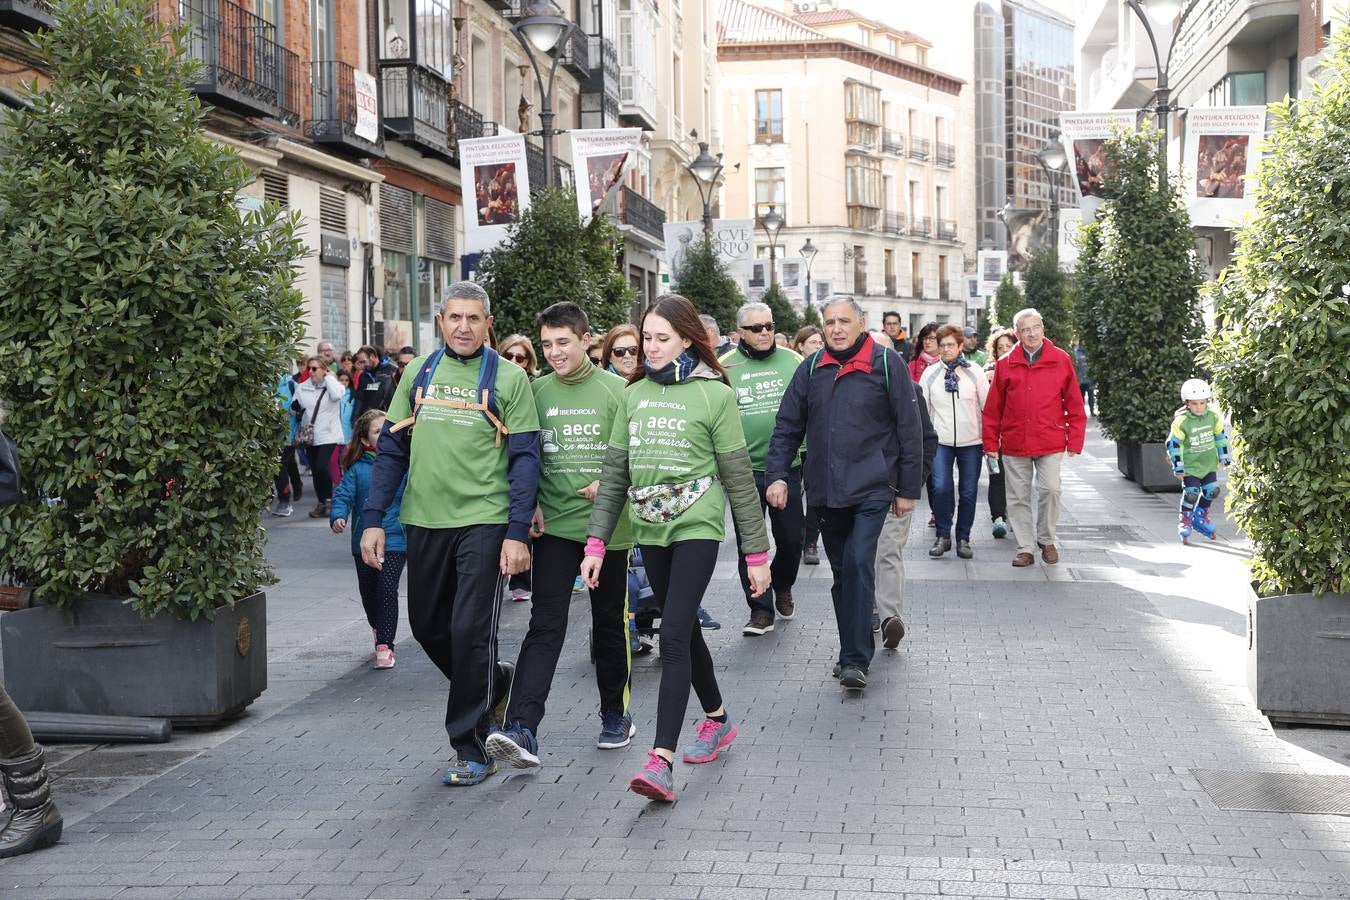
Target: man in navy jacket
855,405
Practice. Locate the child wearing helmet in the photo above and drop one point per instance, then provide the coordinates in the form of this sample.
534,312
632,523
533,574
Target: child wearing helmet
1197,444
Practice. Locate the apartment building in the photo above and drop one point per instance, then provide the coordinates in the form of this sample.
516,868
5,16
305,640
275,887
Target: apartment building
839,123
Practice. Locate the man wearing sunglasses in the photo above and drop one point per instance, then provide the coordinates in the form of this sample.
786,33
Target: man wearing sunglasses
759,371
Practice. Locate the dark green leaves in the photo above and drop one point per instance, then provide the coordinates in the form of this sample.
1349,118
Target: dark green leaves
704,280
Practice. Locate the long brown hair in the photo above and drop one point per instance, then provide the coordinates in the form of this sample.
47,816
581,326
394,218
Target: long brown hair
682,316
356,447
618,331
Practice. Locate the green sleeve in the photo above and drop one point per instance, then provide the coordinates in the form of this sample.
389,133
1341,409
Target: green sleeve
738,480
611,497
727,433
517,401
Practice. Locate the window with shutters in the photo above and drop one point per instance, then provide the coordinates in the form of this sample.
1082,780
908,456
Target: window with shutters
332,210
396,219
439,226
276,187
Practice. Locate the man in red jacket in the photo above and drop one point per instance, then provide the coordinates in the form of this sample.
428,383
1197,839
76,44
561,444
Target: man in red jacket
1034,415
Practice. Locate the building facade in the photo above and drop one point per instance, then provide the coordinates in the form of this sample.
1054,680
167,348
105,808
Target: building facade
838,123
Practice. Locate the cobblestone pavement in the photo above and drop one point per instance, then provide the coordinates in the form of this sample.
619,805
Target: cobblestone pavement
1034,737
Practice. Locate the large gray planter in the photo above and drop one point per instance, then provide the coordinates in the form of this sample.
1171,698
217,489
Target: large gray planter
1153,470
101,658
1298,657
1126,455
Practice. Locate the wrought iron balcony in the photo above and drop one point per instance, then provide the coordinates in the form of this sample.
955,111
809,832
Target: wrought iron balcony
947,230
416,105
534,160
576,54
294,86
504,5
603,75
921,225
27,15
919,148
893,223
642,214
334,115
893,142
244,68
465,122
946,155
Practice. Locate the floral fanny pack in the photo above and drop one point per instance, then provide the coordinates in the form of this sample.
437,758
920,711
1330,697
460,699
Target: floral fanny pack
659,503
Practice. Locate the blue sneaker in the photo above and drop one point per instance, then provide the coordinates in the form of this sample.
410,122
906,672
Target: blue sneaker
515,746
705,620
468,772
1200,521
616,730
711,738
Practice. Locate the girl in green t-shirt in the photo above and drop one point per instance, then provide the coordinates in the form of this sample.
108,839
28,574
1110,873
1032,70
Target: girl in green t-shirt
678,434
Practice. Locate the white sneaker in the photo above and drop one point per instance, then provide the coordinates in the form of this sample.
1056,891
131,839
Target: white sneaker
520,595
384,657
283,509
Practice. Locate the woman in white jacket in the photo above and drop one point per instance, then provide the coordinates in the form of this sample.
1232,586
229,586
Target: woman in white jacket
319,403
955,390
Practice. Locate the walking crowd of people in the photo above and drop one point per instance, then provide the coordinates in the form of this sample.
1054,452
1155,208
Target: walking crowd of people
612,473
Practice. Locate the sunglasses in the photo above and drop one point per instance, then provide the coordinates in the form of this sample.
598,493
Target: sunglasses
315,369
766,326
516,357
623,351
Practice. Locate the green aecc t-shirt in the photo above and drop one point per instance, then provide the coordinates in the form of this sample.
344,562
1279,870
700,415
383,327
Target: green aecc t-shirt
673,434
575,422
760,385
456,476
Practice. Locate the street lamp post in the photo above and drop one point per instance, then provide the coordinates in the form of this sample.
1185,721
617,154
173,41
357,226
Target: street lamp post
1054,161
542,28
808,252
772,223
1165,11
706,169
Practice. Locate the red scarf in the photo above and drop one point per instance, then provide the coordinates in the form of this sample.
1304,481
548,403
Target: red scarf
859,362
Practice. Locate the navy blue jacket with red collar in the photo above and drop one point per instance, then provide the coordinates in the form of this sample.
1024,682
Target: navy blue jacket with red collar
862,424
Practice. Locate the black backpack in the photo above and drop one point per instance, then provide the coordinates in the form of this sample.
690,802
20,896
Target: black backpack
9,471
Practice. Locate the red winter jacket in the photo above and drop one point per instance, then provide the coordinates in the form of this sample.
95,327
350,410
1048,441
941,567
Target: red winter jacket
1034,410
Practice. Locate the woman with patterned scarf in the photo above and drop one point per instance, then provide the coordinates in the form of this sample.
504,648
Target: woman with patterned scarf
677,449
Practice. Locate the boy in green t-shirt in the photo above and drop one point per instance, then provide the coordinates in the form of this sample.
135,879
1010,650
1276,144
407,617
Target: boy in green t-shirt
578,404
1196,445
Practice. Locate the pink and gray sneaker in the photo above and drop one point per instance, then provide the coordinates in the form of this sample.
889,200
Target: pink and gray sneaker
712,737
656,781
384,656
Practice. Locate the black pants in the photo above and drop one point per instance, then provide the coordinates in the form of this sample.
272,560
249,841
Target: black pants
998,498
850,535
679,574
288,482
16,740
319,457
454,600
557,562
1089,395
786,524
811,523
379,594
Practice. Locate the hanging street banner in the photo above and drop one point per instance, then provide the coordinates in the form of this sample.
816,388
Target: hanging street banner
1221,156
1085,135
1070,220
1028,232
992,266
975,299
499,178
600,159
367,106
734,240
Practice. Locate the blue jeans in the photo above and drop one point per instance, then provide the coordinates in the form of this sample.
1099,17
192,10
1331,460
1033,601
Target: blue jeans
850,537
967,460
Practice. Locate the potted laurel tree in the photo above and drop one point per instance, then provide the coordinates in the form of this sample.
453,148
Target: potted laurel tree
145,321
1139,280
1278,360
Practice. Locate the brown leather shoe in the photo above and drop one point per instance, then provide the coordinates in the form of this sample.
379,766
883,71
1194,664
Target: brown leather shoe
1050,554
1022,560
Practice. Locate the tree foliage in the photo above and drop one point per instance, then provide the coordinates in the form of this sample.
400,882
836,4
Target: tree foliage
1279,356
1007,301
1044,287
145,322
704,280
1138,294
785,317
549,256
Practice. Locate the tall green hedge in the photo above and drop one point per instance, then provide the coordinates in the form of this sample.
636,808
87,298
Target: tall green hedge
144,322
703,279
1281,355
1044,287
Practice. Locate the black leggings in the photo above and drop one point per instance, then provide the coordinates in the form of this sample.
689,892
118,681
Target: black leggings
16,741
288,482
319,457
679,574
379,594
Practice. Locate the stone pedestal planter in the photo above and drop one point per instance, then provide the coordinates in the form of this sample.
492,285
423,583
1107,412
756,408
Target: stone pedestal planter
1298,657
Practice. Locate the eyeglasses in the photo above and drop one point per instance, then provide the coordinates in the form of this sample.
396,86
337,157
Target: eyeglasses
315,369
1031,329
623,351
516,357
765,326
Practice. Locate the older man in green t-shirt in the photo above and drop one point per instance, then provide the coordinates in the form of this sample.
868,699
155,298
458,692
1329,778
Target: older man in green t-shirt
466,510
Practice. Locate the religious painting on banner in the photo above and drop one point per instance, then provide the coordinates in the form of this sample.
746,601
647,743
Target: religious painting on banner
733,239
1085,135
600,159
499,178
1028,232
1222,153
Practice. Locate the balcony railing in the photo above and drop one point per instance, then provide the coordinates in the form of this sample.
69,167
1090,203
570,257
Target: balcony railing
946,155
534,160
919,148
947,230
642,214
768,131
893,223
892,142
921,225
576,54
244,68
465,122
334,113
416,105
27,15
603,75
